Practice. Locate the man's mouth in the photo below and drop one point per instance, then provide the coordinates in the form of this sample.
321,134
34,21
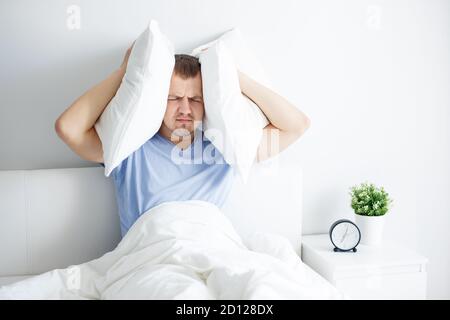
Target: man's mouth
184,120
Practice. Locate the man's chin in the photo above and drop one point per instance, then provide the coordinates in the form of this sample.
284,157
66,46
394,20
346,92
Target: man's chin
183,130
187,127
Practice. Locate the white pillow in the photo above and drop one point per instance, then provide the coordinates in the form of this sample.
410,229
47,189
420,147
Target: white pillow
245,61
136,112
243,56
230,123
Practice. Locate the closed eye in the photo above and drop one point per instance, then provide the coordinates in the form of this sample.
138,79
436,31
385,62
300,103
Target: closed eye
171,98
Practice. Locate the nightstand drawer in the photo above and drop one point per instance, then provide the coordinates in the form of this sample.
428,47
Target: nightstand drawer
377,270
391,271
386,286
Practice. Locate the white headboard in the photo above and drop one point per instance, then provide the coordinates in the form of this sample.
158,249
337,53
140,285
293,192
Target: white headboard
59,217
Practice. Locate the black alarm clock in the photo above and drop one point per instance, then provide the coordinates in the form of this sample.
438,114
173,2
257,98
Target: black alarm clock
344,235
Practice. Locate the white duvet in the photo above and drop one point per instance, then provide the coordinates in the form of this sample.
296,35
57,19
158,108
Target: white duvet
183,250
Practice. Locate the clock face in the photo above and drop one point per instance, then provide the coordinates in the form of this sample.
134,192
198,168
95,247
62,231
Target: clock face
345,236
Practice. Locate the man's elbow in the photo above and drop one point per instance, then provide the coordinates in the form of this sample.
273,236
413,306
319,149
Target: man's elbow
307,123
304,124
64,131
59,128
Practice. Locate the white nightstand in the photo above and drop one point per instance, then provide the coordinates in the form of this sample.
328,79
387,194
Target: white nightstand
387,272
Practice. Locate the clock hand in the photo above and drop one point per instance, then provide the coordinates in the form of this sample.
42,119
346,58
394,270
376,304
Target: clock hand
343,237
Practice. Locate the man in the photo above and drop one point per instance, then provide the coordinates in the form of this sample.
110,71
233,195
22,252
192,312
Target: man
150,176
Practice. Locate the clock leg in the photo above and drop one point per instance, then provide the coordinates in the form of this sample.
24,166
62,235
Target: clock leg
354,250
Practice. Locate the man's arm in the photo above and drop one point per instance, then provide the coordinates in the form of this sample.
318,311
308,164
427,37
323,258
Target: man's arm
287,123
75,126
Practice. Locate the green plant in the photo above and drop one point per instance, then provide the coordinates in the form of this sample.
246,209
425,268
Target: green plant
368,200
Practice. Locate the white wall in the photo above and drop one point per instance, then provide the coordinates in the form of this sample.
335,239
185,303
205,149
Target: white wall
373,76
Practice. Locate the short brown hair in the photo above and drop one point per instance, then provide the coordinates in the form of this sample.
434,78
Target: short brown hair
186,66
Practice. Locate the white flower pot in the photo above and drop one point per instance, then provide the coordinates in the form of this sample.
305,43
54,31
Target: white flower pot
371,228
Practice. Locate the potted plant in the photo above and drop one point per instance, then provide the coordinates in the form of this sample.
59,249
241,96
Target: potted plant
370,205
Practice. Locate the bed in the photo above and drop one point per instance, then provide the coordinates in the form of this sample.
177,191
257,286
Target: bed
55,219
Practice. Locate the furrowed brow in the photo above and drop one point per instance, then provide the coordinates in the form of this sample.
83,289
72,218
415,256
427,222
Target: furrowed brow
179,96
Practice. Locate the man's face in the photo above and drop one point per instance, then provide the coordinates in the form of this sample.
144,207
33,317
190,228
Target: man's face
184,106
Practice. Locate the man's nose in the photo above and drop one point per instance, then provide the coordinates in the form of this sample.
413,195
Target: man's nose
184,106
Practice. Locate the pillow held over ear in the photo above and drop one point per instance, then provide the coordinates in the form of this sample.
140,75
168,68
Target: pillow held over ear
230,122
233,123
136,112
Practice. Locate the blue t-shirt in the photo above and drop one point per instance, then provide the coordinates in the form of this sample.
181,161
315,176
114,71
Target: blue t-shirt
160,171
